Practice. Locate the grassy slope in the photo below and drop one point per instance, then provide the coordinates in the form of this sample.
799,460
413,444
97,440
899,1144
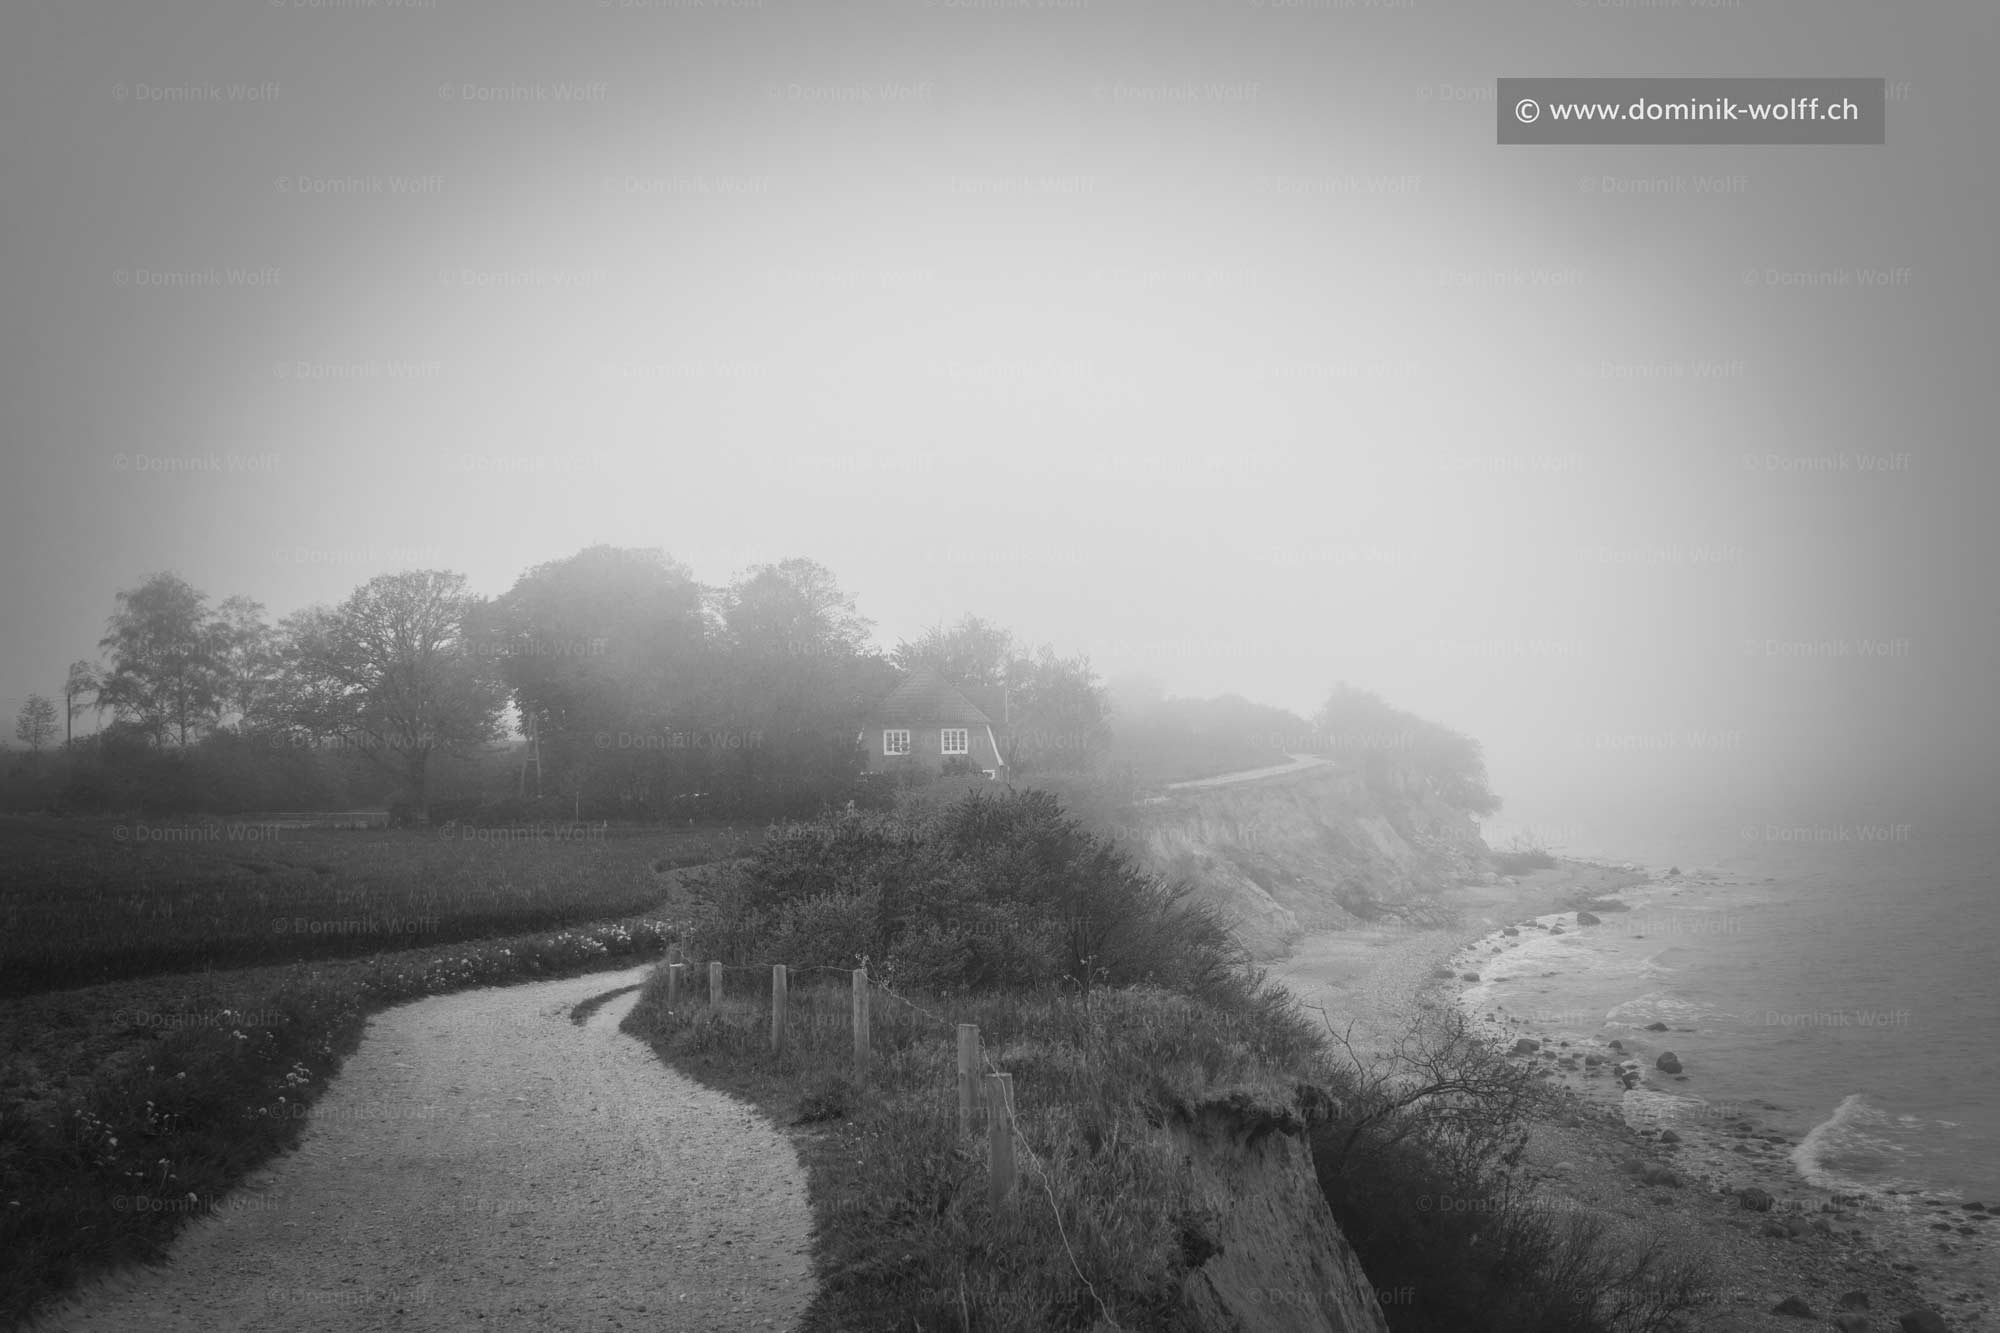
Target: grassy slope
127,1107
905,1237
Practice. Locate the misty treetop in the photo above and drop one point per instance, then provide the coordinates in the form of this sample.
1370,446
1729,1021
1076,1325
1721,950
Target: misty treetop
613,684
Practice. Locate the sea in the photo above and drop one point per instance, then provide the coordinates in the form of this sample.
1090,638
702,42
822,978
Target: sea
1836,982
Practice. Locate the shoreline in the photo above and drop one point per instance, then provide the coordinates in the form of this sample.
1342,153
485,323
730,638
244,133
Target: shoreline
1605,1129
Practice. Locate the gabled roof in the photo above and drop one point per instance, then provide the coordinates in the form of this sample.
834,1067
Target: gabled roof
928,698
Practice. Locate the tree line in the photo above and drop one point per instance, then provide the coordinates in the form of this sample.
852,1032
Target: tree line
610,683
607,684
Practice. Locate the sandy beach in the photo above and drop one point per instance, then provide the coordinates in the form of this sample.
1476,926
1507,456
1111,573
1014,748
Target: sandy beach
1820,1248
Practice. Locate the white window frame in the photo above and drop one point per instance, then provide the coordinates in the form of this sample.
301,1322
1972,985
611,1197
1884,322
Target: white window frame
964,735
889,737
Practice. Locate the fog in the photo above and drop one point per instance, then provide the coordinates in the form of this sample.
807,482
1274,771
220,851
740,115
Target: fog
1219,343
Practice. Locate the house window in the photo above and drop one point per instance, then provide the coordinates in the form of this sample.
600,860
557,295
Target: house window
896,742
956,740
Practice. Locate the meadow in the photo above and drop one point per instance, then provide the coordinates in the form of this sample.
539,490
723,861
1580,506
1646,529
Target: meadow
85,902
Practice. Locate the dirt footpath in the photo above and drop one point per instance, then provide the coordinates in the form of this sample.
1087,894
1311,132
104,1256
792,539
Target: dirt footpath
483,1162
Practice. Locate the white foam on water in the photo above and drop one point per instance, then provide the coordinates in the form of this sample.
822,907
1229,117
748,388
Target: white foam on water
1843,1153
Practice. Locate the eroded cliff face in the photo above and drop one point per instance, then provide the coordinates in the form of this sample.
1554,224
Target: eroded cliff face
1313,850
1272,1258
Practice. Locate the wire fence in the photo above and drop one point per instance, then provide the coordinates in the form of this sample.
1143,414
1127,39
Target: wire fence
1004,1134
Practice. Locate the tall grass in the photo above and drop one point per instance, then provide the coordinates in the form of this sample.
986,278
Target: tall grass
1105,1212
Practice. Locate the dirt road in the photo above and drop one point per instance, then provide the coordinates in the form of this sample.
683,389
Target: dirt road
483,1162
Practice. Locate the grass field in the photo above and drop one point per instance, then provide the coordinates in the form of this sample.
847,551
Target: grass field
160,1040
84,902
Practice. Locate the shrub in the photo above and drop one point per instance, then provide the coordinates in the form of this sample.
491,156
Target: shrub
1521,859
1521,863
993,890
1419,1161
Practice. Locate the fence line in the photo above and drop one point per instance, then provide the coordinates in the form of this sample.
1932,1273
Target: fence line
999,1085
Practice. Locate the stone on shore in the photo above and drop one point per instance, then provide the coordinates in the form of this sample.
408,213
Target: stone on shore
1510,930
1656,1027
1588,919
1526,1046
1668,1063
1922,1321
1794,1307
1851,1322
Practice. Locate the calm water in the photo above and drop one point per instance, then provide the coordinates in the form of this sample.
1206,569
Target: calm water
1851,981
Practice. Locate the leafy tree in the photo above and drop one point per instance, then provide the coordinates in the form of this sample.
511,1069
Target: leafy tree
1398,749
165,674
82,681
35,724
300,702
245,653
606,644
800,671
1061,715
392,671
796,609
971,652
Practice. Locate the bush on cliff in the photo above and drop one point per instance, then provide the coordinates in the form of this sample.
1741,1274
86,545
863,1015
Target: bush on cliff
994,891
1419,1159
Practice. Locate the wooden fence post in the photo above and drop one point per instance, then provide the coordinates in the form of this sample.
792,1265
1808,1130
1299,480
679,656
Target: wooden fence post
777,1008
968,1071
673,985
860,1023
999,1140
715,983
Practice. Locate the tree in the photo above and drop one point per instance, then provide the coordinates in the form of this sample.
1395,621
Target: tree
1397,749
794,608
35,725
245,650
300,701
165,672
601,646
800,670
971,652
1061,715
83,680
391,670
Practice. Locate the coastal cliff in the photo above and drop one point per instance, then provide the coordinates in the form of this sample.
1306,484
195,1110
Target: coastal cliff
1269,1256
1316,849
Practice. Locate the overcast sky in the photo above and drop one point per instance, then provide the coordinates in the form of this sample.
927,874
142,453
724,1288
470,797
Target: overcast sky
1220,342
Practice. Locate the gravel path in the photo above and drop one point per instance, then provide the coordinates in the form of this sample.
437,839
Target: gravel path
1297,763
483,1162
